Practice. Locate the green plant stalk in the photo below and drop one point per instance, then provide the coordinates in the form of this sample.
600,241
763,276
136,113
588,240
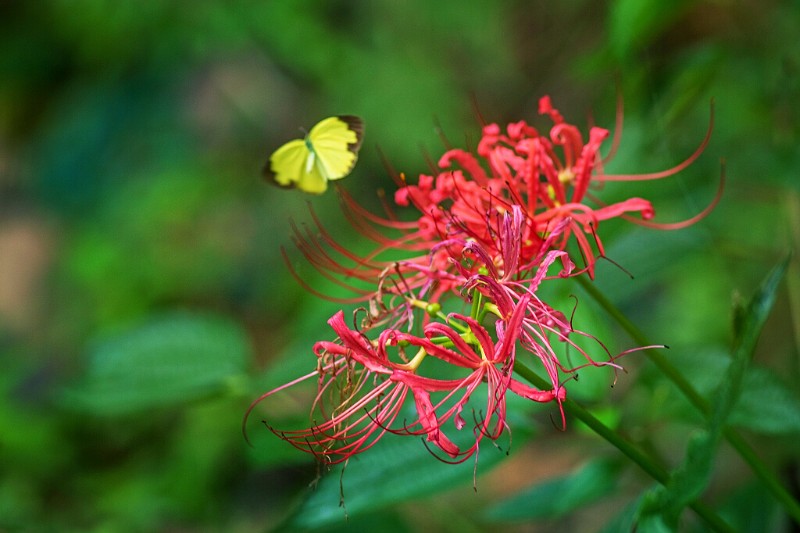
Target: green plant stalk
645,462
767,476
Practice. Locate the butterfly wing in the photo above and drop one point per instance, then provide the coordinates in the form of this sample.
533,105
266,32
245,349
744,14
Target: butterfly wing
293,165
287,163
335,142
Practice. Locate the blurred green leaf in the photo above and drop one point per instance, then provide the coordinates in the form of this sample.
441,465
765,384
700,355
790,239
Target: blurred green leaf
624,520
166,361
663,505
762,401
634,24
557,497
747,328
653,524
767,405
751,509
385,521
750,321
397,469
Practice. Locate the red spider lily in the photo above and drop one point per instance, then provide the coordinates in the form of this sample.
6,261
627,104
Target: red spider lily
490,362
360,394
525,169
515,285
361,391
492,225
548,177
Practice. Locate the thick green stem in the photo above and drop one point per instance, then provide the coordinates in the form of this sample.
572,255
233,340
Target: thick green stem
645,462
747,453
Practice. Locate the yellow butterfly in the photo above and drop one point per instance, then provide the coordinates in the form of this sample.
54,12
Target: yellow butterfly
328,152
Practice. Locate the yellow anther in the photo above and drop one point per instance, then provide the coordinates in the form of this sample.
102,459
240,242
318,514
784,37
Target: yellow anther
566,176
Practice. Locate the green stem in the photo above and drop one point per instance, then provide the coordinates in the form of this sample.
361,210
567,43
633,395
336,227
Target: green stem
747,453
645,462
477,305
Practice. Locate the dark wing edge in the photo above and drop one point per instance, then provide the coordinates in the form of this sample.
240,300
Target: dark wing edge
269,176
357,125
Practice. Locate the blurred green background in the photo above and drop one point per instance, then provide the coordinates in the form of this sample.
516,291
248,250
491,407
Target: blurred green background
144,302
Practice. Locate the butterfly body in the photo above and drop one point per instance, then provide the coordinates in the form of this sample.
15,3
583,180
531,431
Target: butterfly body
328,152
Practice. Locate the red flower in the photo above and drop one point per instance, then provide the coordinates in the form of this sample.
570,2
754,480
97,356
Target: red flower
361,391
516,284
548,177
490,362
524,169
358,397
491,227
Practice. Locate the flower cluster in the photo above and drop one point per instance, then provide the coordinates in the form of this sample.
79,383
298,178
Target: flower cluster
451,309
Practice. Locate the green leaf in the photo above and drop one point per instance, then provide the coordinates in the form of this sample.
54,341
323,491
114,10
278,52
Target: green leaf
634,24
664,504
752,319
625,519
653,524
688,481
397,469
751,509
767,405
559,496
748,325
166,361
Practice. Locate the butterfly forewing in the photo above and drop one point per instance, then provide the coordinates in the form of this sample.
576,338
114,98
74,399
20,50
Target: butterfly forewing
336,141
355,124
287,164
